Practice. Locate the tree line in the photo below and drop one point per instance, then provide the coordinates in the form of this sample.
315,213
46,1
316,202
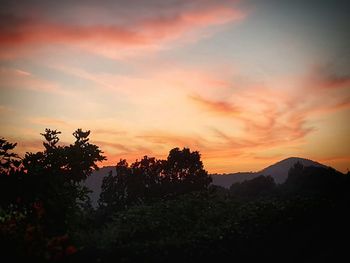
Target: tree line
45,188
156,210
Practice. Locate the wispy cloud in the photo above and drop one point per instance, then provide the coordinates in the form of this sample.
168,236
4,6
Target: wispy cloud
325,77
109,132
270,119
114,145
12,78
23,73
6,110
254,118
52,122
221,107
113,38
169,139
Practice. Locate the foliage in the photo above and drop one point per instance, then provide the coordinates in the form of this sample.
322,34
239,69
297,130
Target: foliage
9,161
311,180
299,221
45,189
258,186
201,227
164,210
53,176
10,175
149,180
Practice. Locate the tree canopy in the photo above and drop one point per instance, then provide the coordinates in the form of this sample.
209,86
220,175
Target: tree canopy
150,179
49,179
163,210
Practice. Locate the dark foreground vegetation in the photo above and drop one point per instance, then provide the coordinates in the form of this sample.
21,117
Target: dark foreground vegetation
164,210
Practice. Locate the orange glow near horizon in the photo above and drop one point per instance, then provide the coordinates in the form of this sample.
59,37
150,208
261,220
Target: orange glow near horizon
243,87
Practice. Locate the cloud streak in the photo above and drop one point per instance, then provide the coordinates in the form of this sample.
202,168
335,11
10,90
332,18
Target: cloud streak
20,79
146,76
112,38
272,120
220,107
325,77
52,122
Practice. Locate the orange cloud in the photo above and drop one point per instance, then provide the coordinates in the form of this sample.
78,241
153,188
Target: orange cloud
172,140
108,132
272,120
277,116
158,144
109,39
4,110
52,122
116,146
131,155
25,145
220,107
266,121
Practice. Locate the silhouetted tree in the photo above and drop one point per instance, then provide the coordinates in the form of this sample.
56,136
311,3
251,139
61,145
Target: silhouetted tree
312,180
9,160
114,192
184,172
149,179
10,174
43,195
257,187
52,178
294,174
135,184
146,179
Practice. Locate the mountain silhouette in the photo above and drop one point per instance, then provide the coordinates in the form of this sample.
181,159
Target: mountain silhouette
94,182
279,172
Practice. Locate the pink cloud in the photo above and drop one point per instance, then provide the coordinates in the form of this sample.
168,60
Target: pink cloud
269,117
265,120
113,39
325,77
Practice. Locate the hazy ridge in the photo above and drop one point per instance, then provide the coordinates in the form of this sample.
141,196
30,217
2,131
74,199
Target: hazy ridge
279,171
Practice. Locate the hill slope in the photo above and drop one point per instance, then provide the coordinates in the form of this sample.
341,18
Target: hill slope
94,182
279,171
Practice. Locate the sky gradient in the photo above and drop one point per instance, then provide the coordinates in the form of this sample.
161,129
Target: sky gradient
246,83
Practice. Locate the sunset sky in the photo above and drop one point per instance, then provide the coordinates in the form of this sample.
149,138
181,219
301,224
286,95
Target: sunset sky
246,83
